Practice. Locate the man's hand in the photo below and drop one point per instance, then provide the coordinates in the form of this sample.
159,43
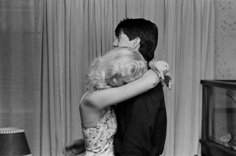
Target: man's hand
76,147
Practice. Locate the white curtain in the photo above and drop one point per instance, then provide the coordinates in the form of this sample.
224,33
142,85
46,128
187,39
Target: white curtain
62,74
189,48
74,32
46,50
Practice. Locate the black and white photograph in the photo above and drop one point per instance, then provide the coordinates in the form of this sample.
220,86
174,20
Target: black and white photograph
117,77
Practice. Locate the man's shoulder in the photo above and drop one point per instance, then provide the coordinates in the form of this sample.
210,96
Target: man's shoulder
156,91
149,98
152,96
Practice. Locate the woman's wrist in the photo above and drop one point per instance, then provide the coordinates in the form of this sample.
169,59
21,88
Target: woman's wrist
159,67
154,79
158,74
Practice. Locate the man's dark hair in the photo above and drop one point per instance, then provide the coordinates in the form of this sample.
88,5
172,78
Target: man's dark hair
145,30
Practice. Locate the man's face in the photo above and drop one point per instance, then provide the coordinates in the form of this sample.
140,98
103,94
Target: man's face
123,41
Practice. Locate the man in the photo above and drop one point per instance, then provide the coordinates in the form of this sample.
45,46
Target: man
141,120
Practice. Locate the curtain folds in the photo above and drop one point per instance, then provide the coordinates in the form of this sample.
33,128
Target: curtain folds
189,48
186,41
44,59
62,74
74,33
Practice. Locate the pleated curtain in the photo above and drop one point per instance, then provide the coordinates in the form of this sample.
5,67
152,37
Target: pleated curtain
47,45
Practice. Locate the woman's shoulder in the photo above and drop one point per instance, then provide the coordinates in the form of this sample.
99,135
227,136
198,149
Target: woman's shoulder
83,96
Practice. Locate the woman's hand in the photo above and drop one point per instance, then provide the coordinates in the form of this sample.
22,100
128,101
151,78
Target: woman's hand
161,68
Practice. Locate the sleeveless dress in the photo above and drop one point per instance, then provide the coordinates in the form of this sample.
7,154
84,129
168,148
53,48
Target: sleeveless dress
99,139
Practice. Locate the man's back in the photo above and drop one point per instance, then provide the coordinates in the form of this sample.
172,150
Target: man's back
142,124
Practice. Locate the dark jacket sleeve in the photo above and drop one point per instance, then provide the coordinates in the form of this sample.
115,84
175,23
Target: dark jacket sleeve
142,125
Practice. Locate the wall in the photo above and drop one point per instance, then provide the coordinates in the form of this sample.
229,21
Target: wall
225,45
20,68
225,63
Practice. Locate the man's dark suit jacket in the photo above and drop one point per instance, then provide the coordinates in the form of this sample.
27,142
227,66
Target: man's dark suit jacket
142,124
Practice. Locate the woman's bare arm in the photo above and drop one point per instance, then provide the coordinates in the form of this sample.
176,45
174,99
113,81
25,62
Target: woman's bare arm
107,97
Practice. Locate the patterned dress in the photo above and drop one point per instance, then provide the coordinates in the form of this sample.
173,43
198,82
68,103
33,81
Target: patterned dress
99,139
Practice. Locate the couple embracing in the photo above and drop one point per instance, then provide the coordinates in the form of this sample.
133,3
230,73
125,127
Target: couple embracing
123,111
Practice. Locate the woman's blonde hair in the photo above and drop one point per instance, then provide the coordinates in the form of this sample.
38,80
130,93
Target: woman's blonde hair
117,67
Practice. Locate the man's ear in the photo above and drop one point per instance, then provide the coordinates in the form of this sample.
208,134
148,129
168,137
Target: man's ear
136,43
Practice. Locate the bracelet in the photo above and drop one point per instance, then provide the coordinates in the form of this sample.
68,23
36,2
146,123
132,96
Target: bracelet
155,70
157,73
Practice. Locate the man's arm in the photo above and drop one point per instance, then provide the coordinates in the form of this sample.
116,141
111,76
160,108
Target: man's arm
75,148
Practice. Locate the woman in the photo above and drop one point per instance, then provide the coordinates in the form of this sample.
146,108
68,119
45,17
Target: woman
115,77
